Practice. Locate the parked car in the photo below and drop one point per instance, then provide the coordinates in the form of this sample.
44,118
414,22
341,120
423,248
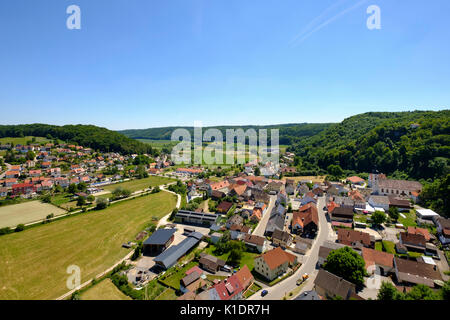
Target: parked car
264,293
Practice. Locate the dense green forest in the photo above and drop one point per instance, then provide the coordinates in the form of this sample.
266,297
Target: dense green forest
403,144
90,136
289,133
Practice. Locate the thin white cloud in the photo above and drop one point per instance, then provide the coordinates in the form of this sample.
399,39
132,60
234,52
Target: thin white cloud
317,19
332,19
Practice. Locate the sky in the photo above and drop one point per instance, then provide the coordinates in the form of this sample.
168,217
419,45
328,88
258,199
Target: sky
147,63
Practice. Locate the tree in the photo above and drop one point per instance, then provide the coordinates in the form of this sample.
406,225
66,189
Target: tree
421,292
81,201
91,198
19,228
101,203
235,257
257,171
73,188
47,198
389,292
445,291
30,155
393,213
378,218
346,263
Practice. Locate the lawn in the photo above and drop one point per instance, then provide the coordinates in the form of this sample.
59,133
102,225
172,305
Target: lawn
168,294
173,276
30,211
248,258
139,184
154,289
252,290
388,246
33,263
410,220
378,246
104,290
360,218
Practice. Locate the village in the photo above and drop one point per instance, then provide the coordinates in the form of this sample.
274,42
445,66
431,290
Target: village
258,232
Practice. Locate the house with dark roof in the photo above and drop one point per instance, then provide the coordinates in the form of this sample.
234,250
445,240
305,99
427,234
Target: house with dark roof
413,272
275,222
341,214
443,229
325,249
330,285
255,243
210,263
309,295
159,241
281,238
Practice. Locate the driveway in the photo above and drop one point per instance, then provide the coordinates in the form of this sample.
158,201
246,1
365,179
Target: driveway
278,291
261,227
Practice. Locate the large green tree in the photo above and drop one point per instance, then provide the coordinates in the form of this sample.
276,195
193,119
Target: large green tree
346,263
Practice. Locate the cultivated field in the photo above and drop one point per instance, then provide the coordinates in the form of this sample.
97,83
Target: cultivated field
105,290
33,263
139,184
31,211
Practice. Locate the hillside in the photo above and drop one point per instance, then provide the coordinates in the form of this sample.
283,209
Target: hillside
413,144
90,136
289,133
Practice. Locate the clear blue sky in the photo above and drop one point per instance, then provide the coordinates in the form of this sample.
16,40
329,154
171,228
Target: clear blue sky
148,63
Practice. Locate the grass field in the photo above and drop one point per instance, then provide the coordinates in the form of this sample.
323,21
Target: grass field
23,140
104,290
33,263
247,257
31,211
172,277
139,184
388,246
410,220
168,294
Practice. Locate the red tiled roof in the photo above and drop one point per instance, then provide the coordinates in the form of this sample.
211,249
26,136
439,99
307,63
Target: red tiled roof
277,257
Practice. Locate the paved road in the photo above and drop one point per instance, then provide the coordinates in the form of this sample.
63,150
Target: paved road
261,227
278,291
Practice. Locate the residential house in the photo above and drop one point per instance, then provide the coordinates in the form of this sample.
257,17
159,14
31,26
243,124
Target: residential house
402,204
237,231
410,189
356,180
274,263
413,241
330,285
224,207
55,172
3,192
255,243
281,238
352,238
414,272
325,249
23,188
12,174
215,237
210,263
275,222
305,220
290,186
378,262
235,219
341,214
443,229
380,203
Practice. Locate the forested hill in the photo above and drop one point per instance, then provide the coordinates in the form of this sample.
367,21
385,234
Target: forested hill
289,133
90,136
404,144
